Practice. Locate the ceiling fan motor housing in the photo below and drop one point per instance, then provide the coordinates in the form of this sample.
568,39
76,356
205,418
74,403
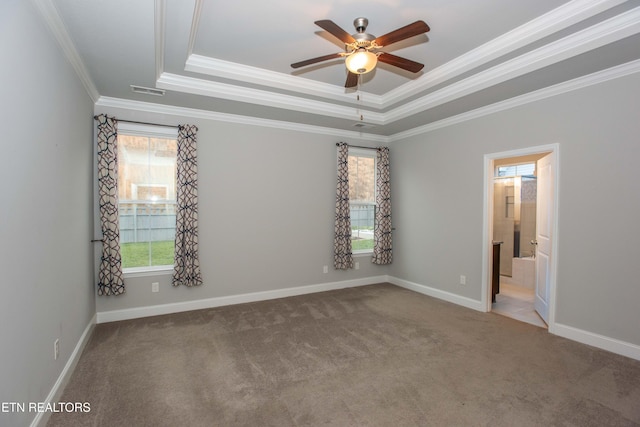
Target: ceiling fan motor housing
361,24
363,39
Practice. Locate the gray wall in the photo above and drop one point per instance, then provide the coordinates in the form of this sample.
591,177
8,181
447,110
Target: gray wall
289,178
438,214
45,213
266,214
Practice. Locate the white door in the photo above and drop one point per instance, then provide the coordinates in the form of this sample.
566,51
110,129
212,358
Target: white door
544,221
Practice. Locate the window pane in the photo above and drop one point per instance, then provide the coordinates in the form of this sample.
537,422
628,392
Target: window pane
362,197
362,217
517,170
362,179
147,200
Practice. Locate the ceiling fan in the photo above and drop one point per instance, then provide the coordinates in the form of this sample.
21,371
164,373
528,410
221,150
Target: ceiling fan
362,49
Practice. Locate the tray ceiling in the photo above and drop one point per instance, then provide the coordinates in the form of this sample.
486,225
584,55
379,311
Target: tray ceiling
233,58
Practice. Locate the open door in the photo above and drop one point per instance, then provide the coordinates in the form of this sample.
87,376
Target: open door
544,229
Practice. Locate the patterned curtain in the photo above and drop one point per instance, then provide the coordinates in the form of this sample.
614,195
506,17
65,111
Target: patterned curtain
110,280
342,257
186,270
382,253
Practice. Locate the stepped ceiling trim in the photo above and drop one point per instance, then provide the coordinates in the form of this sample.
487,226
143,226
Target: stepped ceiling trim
233,82
605,32
559,89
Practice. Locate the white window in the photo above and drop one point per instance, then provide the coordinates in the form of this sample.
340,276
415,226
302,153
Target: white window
362,198
146,196
523,169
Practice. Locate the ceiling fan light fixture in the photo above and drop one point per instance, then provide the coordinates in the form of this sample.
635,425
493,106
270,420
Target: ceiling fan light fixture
362,49
361,62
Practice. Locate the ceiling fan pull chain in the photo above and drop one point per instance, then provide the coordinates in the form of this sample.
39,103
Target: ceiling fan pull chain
358,98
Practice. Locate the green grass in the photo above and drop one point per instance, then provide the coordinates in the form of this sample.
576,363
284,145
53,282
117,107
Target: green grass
137,254
360,244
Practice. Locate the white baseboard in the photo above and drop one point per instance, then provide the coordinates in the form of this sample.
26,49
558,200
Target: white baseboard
589,338
606,343
56,391
600,341
156,310
437,293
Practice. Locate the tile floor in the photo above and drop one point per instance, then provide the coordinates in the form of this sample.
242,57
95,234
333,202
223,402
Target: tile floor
517,302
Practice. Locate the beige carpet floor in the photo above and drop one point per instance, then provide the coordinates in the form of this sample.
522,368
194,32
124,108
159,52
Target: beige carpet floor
376,355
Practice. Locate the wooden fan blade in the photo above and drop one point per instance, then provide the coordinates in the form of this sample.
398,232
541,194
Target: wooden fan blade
397,61
352,80
333,28
418,27
315,60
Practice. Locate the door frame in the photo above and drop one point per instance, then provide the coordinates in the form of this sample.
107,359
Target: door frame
487,234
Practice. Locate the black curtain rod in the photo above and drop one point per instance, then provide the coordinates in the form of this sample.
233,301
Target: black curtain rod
145,123
357,146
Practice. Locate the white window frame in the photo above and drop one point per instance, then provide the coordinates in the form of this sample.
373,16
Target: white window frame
370,153
149,131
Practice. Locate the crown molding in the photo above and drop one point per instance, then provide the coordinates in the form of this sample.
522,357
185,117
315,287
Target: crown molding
50,14
192,113
549,23
253,75
551,91
608,31
619,71
553,21
598,35
159,30
195,22
195,86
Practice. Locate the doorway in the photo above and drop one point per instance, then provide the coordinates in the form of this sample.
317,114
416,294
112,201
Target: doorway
520,215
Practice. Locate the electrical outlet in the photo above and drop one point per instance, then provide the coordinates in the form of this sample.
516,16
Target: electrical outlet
155,287
357,265
463,280
56,349
325,269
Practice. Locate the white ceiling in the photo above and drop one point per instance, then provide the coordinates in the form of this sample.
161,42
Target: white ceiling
234,57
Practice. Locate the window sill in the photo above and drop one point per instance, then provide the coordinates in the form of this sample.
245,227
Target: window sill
163,270
362,254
